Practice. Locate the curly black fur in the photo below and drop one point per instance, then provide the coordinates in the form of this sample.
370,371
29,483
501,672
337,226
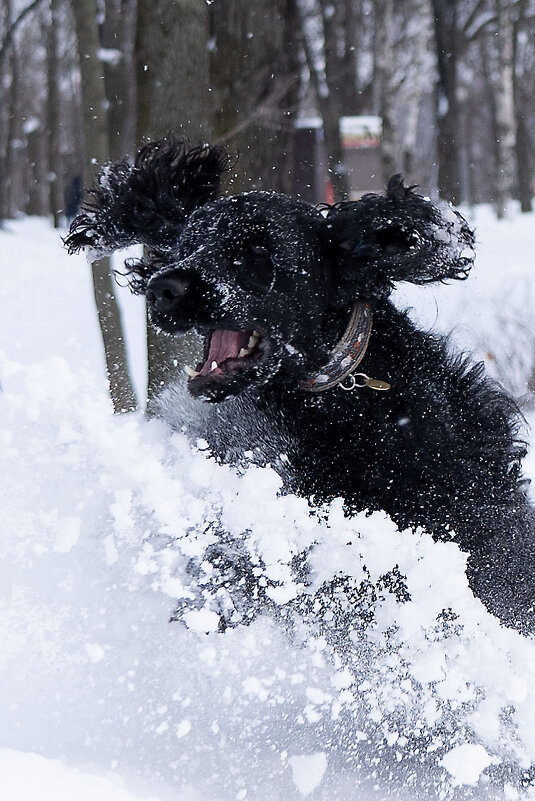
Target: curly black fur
410,240
439,450
148,201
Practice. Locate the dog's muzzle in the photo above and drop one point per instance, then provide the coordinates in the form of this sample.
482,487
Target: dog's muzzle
165,293
174,299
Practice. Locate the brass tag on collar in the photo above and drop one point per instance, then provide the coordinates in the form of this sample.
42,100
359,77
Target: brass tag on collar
375,383
359,380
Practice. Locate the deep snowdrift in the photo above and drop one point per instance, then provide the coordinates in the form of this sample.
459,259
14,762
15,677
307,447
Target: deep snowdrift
107,529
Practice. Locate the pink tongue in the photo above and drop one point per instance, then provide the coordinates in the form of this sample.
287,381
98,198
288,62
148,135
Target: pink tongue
224,345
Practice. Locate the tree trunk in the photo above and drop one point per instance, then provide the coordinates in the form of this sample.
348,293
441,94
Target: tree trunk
9,118
55,193
172,90
447,116
420,34
117,36
94,101
489,99
255,77
328,98
109,317
36,194
384,68
351,103
524,161
5,104
505,166
96,152
173,68
332,102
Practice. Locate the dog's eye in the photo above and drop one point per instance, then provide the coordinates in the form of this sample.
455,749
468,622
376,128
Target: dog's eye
256,269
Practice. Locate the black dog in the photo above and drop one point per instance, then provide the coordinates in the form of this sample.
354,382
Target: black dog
286,296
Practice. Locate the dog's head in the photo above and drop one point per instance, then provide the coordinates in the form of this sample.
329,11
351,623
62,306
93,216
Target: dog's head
259,274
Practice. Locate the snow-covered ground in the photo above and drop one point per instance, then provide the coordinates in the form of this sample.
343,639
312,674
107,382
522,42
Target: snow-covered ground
106,523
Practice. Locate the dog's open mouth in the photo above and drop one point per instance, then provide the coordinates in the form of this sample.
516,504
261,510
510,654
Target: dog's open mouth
227,353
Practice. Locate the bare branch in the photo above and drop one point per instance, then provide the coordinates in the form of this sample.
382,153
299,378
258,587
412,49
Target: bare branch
8,37
264,112
472,17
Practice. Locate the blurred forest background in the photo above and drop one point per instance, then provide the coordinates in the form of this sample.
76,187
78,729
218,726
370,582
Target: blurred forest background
83,81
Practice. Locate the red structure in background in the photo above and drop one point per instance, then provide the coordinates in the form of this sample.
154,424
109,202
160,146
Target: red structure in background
361,139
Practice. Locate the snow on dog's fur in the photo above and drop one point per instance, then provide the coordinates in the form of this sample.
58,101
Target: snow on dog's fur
271,284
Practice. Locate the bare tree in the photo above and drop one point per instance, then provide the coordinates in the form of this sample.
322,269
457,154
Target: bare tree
12,25
97,152
413,92
117,38
173,68
172,90
326,78
505,114
254,77
235,71
524,61
53,115
384,76
447,111
7,87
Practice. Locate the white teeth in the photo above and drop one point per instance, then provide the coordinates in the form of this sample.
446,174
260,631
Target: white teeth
253,340
243,352
213,366
191,372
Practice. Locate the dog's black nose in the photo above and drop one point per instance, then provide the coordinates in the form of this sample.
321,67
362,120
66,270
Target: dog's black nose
165,292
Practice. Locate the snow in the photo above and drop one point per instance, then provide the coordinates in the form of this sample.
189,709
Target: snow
26,776
466,762
308,771
108,530
201,620
492,314
109,55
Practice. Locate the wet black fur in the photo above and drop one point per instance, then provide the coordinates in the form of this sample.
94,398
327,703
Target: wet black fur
439,450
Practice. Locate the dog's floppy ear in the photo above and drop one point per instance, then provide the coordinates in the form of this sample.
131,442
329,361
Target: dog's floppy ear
149,200
380,240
